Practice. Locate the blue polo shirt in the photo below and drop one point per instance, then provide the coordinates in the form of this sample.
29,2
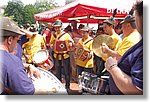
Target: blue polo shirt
13,74
131,63
19,51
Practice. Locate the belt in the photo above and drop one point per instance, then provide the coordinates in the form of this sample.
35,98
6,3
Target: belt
62,58
61,53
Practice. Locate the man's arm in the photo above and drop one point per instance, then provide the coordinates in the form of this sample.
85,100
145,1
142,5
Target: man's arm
122,80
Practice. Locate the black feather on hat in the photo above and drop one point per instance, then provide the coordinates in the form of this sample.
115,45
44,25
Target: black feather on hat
129,17
111,20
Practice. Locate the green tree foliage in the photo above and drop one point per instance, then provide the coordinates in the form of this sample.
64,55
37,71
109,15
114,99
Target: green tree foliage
25,13
29,11
44,5
14,9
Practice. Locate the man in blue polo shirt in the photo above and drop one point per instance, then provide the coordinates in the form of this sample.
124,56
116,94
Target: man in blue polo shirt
14,79
126,76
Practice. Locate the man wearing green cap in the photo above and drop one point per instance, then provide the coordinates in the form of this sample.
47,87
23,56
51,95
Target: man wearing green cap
131,37
61,42
108,25
84,52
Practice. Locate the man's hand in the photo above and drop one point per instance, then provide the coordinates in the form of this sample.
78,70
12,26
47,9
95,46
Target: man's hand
71,46
34,72
110,63
105,48
27,57
90,55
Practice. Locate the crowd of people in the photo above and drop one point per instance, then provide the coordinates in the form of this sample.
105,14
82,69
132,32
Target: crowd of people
124,63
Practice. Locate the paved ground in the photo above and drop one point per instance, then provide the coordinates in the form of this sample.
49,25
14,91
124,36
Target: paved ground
74,88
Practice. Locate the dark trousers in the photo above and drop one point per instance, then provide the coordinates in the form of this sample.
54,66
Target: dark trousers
99,65
63,66
81,69
51,52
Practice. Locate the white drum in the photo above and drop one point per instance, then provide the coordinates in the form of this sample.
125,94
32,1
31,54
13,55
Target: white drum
43,60
48,84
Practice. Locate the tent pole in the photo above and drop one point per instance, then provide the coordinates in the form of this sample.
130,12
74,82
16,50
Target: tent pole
88,19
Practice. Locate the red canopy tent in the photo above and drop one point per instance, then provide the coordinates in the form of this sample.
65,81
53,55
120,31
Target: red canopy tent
77,8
